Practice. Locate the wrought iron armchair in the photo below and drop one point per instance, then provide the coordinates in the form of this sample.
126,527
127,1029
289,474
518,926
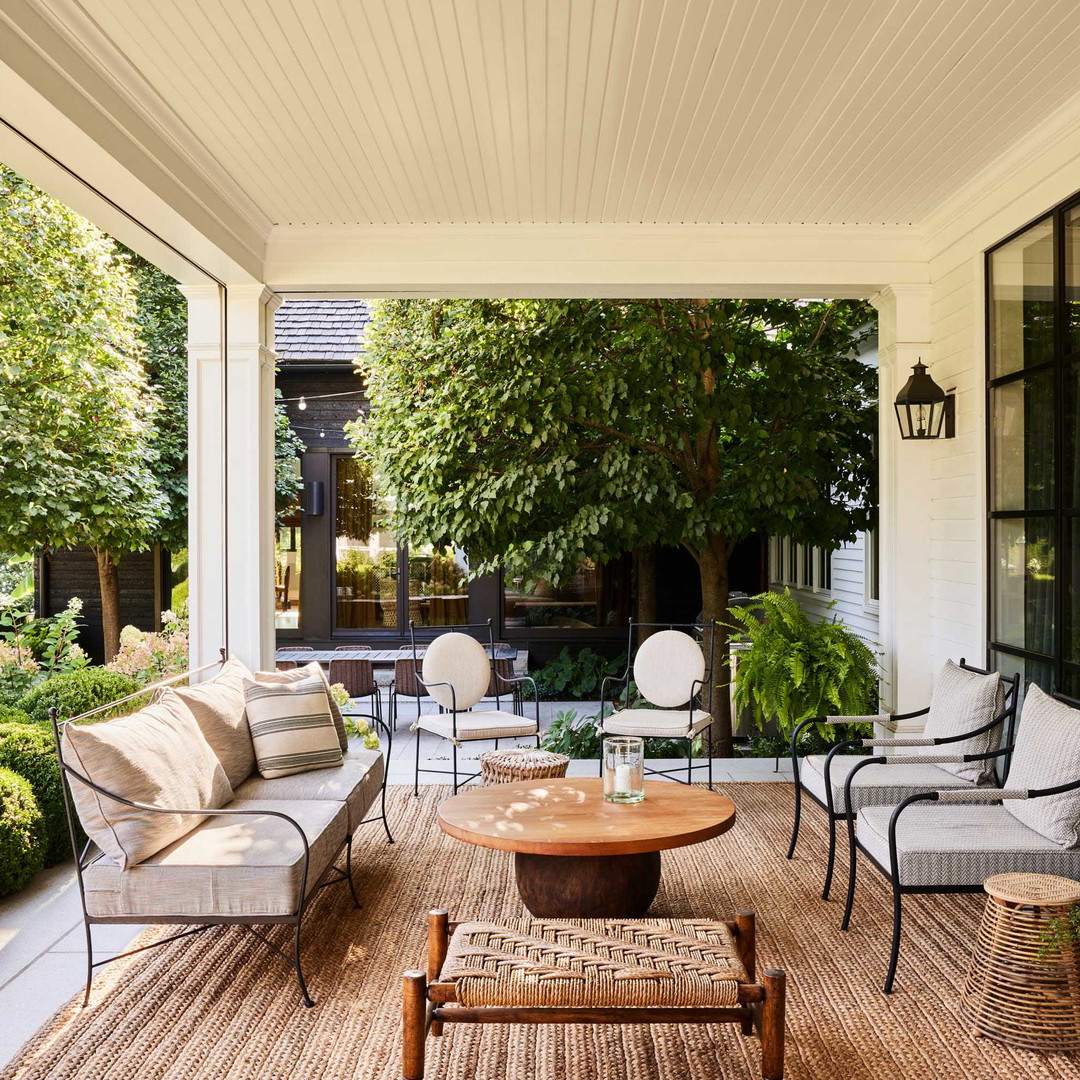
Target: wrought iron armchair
670,670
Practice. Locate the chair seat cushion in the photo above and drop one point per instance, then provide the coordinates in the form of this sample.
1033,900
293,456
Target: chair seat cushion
960,845
656,723
227,866
607,963
876,785
355,782
484,724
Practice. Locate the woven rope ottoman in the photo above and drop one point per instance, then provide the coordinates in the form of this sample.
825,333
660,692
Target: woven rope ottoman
592,971
521,764
1020,988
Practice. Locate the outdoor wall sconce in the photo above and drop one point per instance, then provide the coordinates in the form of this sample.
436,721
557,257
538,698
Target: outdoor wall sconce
923,409
315,501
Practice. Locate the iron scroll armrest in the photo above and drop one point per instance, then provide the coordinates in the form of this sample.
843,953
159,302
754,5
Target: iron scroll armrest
519,679
943,740
453,702
619,680
836,721
937,759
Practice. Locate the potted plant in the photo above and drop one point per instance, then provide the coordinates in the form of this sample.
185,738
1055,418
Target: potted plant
795,669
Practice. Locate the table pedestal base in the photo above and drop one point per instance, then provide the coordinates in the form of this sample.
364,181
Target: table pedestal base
587,886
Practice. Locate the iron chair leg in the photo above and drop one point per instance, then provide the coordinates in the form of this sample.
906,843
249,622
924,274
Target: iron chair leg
89,962
832,858
798,817
454,745
308,1002
852,859
416,773
894,954
348,871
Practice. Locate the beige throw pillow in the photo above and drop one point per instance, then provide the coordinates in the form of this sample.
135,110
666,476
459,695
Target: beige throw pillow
291,726
218,707
306,672
158,756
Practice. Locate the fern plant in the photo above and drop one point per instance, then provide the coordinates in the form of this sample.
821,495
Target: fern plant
796,669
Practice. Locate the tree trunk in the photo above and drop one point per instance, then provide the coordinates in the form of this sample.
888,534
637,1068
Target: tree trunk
713,564
109,584
645,565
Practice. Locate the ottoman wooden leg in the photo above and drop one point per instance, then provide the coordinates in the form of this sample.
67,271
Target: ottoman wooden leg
772,1026
413,1025
746,942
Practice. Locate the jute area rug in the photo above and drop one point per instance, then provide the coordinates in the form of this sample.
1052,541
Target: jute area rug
220,1005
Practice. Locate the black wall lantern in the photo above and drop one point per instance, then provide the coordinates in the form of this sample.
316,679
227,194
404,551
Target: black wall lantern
923,409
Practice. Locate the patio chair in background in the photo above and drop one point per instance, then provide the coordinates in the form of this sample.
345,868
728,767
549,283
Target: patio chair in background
670,672
406,683
291,665
357,675
950,841
457,672
968,710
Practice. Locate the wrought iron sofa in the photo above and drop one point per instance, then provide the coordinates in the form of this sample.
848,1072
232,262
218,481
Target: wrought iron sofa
255,860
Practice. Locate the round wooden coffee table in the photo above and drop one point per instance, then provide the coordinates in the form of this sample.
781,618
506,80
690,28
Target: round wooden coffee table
577,856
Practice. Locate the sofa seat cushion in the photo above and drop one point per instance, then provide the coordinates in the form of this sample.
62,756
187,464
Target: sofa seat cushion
218,708
230,865
656,723
355,782
157,756
876,785
961,845
483,724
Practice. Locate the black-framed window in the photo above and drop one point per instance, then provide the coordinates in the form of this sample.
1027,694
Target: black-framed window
1033,450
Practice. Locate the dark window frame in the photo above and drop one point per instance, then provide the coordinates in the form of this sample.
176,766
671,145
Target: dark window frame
1058,513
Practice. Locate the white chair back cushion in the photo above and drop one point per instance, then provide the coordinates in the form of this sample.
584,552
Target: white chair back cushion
461,661
666,665
963,701
1047,754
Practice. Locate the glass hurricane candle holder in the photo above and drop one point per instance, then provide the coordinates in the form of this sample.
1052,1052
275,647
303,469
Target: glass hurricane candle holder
624,769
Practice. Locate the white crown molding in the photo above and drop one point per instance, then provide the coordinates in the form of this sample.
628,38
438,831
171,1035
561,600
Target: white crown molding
72,21
1038,158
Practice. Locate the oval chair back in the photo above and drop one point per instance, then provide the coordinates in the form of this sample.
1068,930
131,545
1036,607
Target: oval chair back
669,668
456,671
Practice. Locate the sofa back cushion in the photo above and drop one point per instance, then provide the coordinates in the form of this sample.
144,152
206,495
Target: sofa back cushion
306,672
1047,754
218,708
157,756
291,726
963,701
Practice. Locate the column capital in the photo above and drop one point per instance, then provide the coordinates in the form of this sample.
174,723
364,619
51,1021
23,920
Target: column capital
905,311
257,293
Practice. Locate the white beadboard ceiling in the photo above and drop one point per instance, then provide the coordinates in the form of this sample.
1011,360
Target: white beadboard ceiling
343,112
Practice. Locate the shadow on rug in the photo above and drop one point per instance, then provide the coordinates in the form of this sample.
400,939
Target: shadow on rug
221,1005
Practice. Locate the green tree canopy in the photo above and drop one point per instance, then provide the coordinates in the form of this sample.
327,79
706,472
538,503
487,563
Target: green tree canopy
76,413
536,433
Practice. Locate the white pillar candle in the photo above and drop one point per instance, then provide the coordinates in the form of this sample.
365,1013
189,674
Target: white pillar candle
622,780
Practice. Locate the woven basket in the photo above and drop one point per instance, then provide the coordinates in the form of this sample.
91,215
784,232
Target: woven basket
1018,991
506,766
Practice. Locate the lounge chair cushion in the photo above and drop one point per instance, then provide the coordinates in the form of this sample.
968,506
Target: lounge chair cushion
1047,754
306,672
356,783
668,668
875,785
484,724
462,662
961,845
963,701
218,707
229,865
157,756
656,723
291,726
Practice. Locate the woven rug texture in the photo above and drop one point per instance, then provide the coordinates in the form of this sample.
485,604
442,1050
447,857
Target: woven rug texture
220,1005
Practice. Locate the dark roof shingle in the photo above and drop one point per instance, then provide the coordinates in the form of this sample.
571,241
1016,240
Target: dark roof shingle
320,331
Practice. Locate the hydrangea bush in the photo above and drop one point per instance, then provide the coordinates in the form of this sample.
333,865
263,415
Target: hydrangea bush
147,657
32,649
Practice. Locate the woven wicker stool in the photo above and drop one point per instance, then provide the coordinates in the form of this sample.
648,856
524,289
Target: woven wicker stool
1018,991
521,763
592,971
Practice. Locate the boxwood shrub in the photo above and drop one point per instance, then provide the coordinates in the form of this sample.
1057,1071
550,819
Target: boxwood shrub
22,840
11,715
29,750
75,692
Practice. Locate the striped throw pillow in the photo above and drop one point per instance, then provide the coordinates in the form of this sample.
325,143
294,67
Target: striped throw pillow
291,727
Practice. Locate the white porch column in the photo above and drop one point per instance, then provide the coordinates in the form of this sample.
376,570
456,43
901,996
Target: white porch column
206,472
249,479
231,472
904,504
